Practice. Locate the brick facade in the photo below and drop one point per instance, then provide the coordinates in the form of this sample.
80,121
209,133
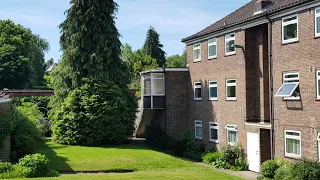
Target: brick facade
5,107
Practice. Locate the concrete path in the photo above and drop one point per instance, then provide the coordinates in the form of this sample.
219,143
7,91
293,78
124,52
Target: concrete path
243,174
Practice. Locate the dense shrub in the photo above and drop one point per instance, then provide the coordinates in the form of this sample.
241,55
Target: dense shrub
5,167
35,165
283,173
5,127
99,112
211,157
156,138
268,168
306,170
24,135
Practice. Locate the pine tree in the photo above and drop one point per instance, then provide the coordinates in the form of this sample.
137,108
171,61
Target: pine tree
153,47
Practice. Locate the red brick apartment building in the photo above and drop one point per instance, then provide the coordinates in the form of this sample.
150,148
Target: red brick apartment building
253,78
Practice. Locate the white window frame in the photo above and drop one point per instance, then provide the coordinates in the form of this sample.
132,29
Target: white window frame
285,80
148,78
214,125
197,86
315,21
227,40
212,44
296,21
196,47
231,127
163,84
231,84
198,123
318,139
213,86
292,137
318,84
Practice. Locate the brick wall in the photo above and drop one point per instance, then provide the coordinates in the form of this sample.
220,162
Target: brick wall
302,57
222,111
177,103
5,107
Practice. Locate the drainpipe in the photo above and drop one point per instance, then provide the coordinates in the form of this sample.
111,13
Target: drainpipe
271,91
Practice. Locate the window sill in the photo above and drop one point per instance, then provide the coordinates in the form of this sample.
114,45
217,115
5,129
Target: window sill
213,57
196,61
292,156
197,99
214,141
290,42
317,37
217,99
231,54
198,138
231,99
284,99
318,99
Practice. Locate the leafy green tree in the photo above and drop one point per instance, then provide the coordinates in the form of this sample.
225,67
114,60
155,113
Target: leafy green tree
153,47
177,60
91,80
21,56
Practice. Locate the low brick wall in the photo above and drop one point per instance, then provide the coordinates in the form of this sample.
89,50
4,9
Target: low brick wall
5,107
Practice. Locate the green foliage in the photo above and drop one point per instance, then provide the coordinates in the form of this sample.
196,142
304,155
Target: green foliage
91,46
99,112
25,132
268,168
281,162
177,60
15,172
21,56
211,157
283,173
306,170
193,149
5,167
5,127
153,47
35,165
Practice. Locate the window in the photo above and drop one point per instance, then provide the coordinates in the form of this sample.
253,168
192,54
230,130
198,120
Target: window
157,84
318,84
290,29
231,89
290,87
212,48
293,143
213,132
317,21
213,90
198,129
197,91
232,134
147,85
197,52
319,145
230,41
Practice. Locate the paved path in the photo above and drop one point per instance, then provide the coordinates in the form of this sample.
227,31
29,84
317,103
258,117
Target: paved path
243,174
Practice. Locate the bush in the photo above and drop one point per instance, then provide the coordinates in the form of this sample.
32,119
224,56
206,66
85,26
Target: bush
306,170
283,173
211,157
5,167
35,165
99,112
282,162
268,169
16,172
25,134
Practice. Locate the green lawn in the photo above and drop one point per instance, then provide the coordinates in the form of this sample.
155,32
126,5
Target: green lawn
146,163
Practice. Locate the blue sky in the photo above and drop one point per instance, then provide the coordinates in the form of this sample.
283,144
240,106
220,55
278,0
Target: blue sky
173,19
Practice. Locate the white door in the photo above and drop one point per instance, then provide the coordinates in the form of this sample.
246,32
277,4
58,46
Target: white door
253,151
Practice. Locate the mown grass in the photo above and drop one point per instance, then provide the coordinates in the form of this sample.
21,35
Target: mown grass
146,163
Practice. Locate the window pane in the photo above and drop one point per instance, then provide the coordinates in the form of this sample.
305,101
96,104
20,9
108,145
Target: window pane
197,92
214,134
291,76
213,83
290,31
293,146
158,86
319,87
198,131
229,36
147,86
232,136
212,50
197,54
157,75
318,11
231,91
287,89
211,41
318,24
293,134
213,92
231,81
229,46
